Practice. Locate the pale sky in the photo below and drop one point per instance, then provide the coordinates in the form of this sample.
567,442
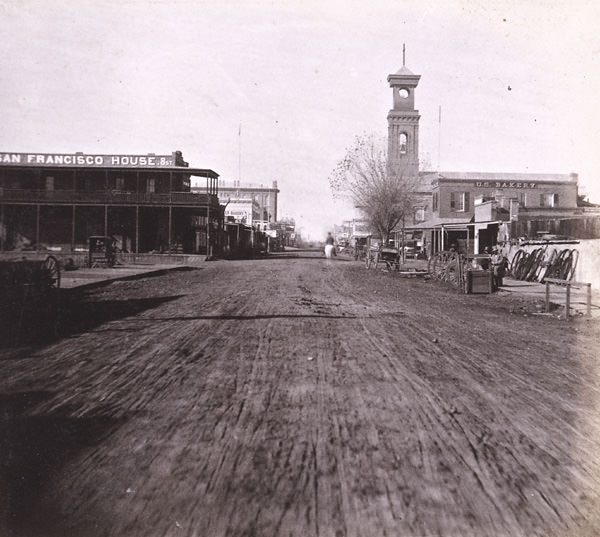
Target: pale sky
517,83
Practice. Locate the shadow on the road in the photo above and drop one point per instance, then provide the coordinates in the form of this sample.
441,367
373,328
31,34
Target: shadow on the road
33,449
252,317
77,313
80,314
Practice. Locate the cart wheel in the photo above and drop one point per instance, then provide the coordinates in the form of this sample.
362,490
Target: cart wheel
437,267
52,269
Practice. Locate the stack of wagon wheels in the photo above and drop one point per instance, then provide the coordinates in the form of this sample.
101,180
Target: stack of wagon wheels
537,265
30,306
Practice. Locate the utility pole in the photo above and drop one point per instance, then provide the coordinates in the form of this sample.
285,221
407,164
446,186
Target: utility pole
439,136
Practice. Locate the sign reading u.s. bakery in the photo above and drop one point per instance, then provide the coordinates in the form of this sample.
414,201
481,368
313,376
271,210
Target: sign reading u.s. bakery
506,184
84,160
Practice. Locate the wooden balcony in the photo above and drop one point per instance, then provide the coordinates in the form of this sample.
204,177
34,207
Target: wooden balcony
105,197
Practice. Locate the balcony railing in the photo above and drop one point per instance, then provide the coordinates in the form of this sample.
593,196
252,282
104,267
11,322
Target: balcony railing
109,197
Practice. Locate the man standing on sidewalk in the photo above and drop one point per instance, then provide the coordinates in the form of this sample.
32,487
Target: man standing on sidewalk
498,266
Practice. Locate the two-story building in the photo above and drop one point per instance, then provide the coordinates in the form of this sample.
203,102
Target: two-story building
51,201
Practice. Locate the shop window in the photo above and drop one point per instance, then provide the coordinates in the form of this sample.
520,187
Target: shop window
419,215
150,185
49,183
522,199
459,202
435,201
402,143
548,200
120,183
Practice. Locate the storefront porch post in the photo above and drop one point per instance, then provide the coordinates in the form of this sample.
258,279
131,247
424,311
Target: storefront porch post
37,228
137,229
208,247
2,228
170,232
73,219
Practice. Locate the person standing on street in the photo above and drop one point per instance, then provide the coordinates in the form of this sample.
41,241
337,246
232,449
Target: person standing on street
498,266
329,245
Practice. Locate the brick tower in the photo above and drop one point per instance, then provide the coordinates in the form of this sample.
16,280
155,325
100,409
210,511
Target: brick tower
403,121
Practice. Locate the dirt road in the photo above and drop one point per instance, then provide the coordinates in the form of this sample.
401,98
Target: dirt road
291,397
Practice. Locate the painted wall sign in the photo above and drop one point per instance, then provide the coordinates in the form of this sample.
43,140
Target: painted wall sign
85,160
506,184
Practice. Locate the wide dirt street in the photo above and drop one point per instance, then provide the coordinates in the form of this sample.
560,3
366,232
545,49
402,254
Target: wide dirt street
291,397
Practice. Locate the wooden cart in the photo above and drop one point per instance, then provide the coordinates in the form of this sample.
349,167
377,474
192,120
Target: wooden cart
379,255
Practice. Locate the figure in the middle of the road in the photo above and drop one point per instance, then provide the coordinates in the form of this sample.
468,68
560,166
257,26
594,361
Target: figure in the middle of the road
329,245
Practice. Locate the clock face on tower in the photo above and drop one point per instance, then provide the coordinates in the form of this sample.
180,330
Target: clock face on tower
403,92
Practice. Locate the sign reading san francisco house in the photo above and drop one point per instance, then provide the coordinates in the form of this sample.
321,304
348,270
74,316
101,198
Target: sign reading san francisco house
85,160
506,184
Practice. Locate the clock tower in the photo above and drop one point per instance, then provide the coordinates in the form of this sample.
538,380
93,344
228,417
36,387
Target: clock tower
403,121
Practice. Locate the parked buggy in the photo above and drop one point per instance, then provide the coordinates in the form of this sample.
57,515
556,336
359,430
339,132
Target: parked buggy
102,252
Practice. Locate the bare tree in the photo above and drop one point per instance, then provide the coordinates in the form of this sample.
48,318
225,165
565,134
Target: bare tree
381,190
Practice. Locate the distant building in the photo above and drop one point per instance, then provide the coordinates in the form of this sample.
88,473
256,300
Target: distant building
264,196
243,211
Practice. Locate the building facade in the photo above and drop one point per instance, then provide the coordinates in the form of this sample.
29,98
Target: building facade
242,210
56,202
264,196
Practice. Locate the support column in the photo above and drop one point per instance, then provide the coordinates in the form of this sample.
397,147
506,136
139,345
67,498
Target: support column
2,228
106,220
37,228
468,239
73,227
170,228
208,247
137,229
